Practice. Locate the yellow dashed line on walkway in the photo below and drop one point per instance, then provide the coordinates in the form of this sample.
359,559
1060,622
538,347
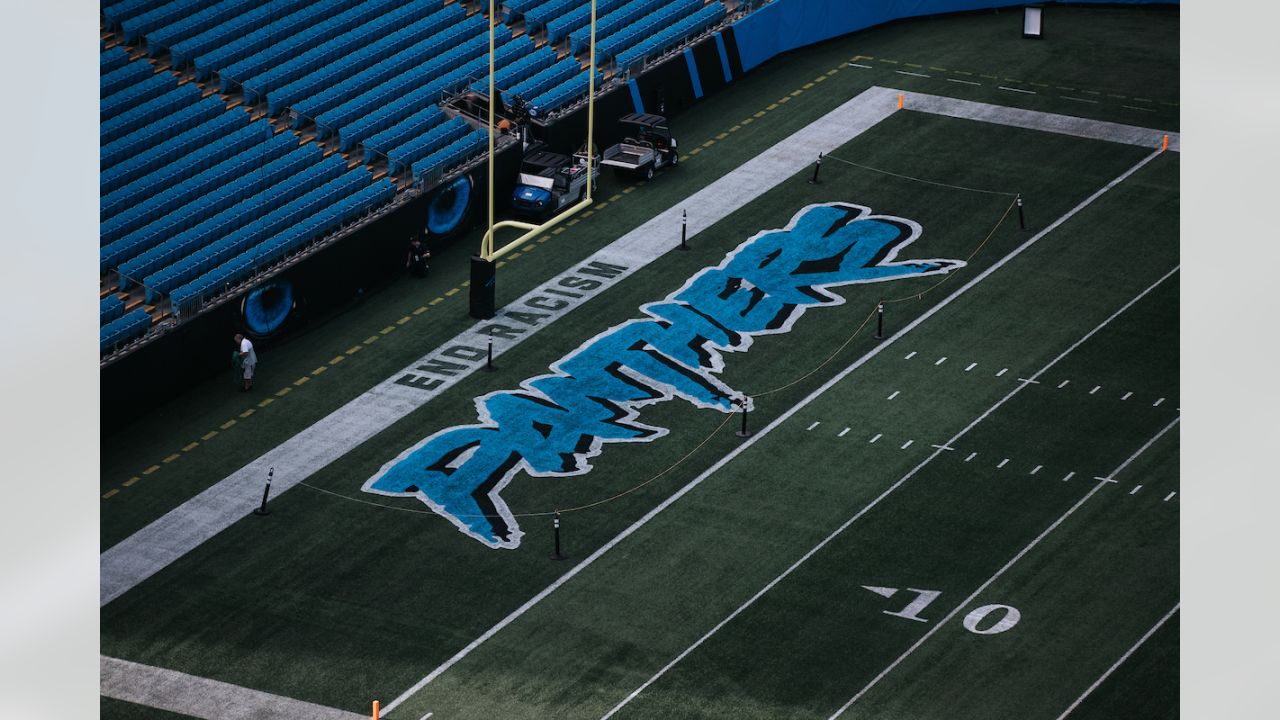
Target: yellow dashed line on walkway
340,358
962,72
171,458
436,301
387,329
301,381
209,435
1143,99
557,231
247,413
544,238
266,402
990,77
501,263
131,481
616,197
912,65
628,189
106,495
1091,92
708,143
735,128
192,446
602,205
321,369
225,426
466,283
695,151
722,136
154,468
572,222
748,121
401,321
772,106
588,214
805,86
354,350
935,67
883,60
515,255
831,72
1064,87
452,291
1036,84
784,100
371,340
820,78
1118,97
283,391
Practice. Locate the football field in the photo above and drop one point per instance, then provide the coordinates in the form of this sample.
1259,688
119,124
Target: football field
960,503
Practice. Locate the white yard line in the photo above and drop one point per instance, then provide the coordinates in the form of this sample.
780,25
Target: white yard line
201,697
1119,662
812,551
864,67
963,604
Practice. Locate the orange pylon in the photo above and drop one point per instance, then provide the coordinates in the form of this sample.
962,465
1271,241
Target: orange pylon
375,710
899,101
1164,145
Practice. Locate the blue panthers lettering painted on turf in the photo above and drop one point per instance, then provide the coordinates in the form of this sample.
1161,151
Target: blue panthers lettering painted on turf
557,422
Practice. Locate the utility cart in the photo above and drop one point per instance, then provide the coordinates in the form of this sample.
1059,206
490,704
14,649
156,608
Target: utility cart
648,146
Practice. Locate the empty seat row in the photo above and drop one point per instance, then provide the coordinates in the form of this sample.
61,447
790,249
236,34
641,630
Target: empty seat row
537,17
112,60
517,69
148,112
256,30
230,32
452,154
241,72
404,155
109,309
135,94
646,26
401,81
198,22
158,131
296,77
198,260
672,36
124,76
189,165
116,13
123,329
152,158
375,62
245,212
517,8
409,128
198,209
611,23
580,17
409,103
562,94
135,27
542,81
280,245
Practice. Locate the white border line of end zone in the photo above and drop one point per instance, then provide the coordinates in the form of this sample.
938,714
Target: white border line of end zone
515,614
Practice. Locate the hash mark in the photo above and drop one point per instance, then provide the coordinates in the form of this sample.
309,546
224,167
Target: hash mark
1068,476
941,360
1064,384
1157,403
972,455
1036,469
894,395
814,425
910,355
1126,395
877,437
1095,389
971,366
907,444
842,432
1135,489
1169,497
1003,371
1002,463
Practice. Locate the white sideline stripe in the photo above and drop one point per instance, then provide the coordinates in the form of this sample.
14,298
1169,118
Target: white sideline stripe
941,360
186,527
894,395
815,424
1119,662
942,623
1157,403
1036,469
1002,463
910,355
1169,497
1002,371
1068,97
202,697
971,366
906,444
1095,389
1028,92
1068,476
963,82
910,473
1135,107
877,437
972,455
865,67
1135,489
843,432
1064,384
916,74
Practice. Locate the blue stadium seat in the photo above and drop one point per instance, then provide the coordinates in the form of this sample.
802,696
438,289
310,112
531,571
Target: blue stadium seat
452,154
325,87
123,329
618,19
410,127
136,27
152,158
109,309
113,59
130,73
159,130
256,30
192,164
562,94
537,17
113,15
196,23
135,94
542,81
673,35
578,18
517,68
414,149
148,112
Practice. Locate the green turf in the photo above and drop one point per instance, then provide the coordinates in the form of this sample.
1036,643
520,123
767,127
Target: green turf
110,709
1083,52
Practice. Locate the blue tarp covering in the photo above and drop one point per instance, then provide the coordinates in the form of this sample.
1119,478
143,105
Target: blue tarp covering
789,24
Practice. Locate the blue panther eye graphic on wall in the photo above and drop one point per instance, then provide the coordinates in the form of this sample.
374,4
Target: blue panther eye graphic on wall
555,423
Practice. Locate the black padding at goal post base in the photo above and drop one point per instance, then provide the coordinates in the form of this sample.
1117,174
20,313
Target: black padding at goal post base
483,288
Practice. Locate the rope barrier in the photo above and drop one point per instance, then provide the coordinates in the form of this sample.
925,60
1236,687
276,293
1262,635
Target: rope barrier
916,179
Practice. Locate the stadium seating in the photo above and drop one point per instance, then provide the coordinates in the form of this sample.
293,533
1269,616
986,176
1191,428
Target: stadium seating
124,76
537,17
113,59
452,154
231,33
517,69
135,27
610,23
123,329
187,166
196,23
562,94
409,128
118,12
152,158
578,18
405,154
542,81
673,35
109,309
148,112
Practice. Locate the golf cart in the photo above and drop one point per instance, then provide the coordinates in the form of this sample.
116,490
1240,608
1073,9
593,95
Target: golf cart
648,146
550,181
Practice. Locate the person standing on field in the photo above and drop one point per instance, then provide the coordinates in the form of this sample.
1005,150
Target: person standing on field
248,360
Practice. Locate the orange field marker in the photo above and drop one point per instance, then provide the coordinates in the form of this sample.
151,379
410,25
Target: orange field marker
1164,145
375,710
899,101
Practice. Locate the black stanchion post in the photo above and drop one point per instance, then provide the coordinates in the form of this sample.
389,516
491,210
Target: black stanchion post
266,491
684,230
1022,221
880,320
744,432
816,167
555,524
488,363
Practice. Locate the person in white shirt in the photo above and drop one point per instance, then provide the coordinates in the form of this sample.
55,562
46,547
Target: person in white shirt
248,359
